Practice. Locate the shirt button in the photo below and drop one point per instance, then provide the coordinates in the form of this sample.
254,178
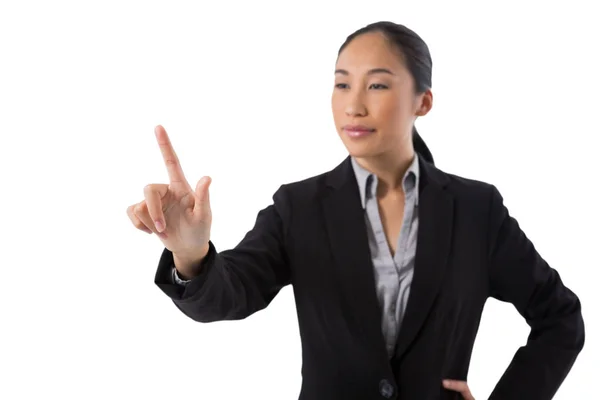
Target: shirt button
386,389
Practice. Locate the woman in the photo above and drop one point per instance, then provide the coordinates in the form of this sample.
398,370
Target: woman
391,259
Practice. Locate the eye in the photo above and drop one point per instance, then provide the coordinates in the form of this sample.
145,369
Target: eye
378,86
341,86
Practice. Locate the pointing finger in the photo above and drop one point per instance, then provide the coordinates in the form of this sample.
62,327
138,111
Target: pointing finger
174,169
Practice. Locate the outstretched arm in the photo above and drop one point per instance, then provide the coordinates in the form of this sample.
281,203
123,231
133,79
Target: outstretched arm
235,283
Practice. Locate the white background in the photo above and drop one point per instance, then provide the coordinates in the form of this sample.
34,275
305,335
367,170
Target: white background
244,89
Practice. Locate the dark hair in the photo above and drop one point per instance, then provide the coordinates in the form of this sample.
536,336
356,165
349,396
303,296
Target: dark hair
415,55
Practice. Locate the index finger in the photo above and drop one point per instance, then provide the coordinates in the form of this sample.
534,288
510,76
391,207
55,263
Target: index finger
169,156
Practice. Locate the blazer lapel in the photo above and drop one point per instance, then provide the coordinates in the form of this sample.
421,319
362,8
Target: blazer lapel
436,210
347,232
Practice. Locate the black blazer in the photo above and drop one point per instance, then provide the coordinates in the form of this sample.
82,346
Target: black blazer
469,248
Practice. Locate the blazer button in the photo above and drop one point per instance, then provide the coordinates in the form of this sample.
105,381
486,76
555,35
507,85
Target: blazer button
386,389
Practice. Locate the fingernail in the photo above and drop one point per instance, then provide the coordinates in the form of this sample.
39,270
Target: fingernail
159,225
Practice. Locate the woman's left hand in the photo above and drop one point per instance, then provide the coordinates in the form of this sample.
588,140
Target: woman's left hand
459,386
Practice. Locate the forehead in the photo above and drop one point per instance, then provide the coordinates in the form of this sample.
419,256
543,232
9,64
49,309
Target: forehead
369,50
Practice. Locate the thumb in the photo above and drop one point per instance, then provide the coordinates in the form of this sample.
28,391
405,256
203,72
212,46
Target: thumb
202,196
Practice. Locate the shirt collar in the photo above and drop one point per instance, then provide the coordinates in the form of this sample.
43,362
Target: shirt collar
367,181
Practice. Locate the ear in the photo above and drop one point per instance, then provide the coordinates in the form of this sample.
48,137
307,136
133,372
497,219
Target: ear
425,103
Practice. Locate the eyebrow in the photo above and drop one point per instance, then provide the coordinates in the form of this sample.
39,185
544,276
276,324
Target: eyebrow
370,72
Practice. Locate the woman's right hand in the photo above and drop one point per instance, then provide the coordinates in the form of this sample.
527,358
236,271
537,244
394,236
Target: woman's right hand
179,215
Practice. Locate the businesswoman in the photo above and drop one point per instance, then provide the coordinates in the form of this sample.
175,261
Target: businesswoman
391,259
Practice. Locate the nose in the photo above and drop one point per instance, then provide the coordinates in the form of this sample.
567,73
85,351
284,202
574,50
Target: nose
355,106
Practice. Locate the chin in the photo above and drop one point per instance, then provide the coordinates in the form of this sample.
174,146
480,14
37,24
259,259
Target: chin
362,149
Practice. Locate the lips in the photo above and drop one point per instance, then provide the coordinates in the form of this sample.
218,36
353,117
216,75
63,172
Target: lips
357,130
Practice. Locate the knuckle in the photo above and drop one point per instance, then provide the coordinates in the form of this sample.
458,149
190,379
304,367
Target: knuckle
153,188
138,224
140,208
149,188
131,215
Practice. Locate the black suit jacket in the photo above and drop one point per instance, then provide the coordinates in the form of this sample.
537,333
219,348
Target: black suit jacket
469,248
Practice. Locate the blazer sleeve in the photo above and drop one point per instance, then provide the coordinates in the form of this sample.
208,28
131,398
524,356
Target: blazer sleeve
235,283
519,275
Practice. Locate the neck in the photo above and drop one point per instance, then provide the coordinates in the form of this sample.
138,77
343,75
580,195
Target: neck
389,168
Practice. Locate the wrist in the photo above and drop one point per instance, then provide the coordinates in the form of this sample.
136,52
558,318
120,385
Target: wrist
188,263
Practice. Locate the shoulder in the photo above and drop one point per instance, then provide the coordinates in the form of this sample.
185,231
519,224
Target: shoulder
302,191
312,188
464,186
466,190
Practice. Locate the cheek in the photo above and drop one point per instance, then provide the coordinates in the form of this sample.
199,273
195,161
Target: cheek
388,112
337,109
